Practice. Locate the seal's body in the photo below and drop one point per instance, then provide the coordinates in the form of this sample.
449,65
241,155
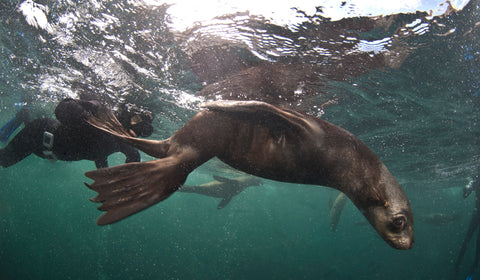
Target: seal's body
265,141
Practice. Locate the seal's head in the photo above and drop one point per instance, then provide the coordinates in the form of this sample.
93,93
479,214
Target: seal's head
390,213
394,223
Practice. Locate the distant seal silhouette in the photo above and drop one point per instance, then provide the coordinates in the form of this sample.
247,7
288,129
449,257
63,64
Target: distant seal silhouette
336,210
262,140
224,188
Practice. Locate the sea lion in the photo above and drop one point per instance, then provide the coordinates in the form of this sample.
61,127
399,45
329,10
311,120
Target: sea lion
262,140
224,188
336,210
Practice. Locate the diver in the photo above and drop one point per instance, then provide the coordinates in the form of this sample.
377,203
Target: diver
473,185
70,137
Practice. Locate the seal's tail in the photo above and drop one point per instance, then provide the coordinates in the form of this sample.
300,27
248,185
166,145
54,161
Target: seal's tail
127,189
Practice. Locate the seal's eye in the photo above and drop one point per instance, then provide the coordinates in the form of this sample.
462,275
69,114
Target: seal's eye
398,223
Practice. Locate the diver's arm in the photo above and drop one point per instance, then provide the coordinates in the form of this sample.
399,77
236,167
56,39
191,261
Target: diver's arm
131,154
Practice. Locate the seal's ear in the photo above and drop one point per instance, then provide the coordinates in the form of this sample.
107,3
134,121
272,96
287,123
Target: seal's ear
381,200
380,196
374,197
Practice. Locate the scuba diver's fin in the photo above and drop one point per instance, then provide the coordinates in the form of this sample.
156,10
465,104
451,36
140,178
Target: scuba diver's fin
12,125
7,130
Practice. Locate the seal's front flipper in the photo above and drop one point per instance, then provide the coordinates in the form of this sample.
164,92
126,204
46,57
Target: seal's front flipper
129,188
224,202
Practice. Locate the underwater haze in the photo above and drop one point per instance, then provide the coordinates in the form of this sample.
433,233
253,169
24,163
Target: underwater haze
404,78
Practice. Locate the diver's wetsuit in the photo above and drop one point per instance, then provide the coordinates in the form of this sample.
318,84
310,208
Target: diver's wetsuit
73,138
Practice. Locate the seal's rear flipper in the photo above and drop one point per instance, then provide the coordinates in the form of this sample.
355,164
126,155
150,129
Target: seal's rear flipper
107,122
224,202
127,189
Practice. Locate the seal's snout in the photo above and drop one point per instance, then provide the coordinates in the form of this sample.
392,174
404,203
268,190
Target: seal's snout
404,243
409,245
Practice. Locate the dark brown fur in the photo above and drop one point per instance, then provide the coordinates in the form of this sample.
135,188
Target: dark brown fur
265,141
